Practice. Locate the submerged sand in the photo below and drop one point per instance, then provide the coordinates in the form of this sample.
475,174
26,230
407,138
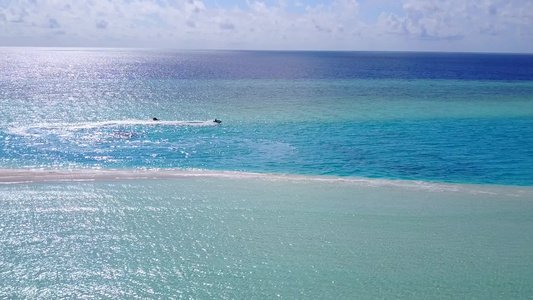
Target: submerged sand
26,176
80,233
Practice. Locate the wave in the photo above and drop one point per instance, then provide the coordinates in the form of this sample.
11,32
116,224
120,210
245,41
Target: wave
40,128
26,176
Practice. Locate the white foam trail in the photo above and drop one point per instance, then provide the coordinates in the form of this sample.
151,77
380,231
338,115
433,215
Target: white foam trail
138,122
40,128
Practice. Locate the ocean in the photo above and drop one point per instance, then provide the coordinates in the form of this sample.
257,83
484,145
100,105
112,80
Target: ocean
333,175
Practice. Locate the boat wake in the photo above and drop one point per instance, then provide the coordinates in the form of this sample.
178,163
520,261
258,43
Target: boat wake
64,128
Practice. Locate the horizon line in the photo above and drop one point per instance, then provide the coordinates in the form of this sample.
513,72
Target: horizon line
256,50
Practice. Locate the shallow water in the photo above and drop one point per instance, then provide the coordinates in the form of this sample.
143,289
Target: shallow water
229,238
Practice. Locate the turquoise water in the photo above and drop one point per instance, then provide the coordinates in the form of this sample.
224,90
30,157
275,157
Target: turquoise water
234,238
436,130
353,175
464,118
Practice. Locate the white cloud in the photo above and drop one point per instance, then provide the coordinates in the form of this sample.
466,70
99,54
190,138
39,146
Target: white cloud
489,24
456,25
461,18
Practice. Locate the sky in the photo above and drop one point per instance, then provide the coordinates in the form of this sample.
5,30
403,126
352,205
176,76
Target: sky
354,25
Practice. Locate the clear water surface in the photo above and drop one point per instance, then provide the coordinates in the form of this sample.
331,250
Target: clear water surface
463,118
424,117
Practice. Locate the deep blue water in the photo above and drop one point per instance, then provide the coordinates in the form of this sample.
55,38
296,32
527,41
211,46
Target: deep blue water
151,64
423,116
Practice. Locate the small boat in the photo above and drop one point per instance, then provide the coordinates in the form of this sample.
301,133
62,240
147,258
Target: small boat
217,121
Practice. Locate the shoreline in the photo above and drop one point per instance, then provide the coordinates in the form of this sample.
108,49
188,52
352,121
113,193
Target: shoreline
35,176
